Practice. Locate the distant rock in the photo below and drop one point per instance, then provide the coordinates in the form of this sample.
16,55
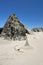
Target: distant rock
37,29
14,29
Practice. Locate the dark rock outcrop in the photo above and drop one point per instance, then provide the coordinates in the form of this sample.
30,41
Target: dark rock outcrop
37,29
14,29
1,31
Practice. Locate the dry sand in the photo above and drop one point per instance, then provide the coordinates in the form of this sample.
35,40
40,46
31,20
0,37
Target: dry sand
27,55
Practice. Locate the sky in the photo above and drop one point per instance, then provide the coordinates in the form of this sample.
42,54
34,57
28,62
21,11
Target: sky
29,12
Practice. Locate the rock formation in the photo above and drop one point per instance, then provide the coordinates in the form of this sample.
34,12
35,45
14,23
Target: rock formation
37,29
1,31
14,29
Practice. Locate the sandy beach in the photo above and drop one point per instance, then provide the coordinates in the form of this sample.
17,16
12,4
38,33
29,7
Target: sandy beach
31,55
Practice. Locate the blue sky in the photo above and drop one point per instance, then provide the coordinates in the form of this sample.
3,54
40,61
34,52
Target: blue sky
30,12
